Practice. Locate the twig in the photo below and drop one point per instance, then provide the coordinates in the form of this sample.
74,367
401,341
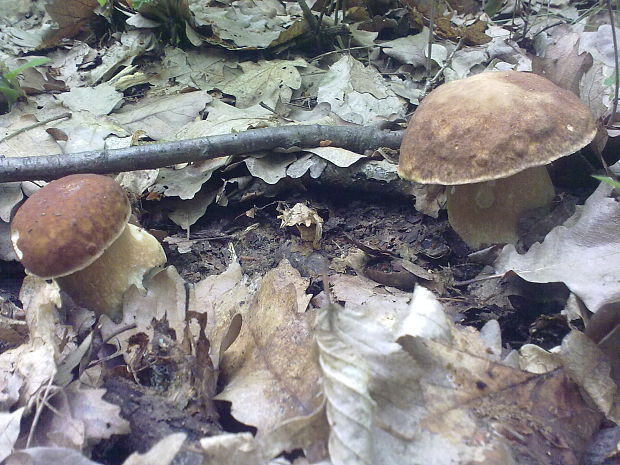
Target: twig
614,107
477,279
34,125
448,61
431,26
331,52
308,16
151,156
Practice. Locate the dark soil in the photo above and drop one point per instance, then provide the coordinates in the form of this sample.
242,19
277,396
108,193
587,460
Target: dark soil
389,227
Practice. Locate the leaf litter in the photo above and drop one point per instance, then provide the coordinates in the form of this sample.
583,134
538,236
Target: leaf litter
378,376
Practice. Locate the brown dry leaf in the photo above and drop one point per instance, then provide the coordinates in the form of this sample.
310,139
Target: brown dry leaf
164,299
71,15
47,456
438,396
472,34
78,418
307,221
269,373
220,297
561,62
587,242
161,453
32,365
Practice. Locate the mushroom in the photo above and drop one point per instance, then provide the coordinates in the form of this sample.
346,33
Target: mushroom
489,138
75,230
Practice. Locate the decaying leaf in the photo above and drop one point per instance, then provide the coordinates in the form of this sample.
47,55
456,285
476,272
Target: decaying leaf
587,242
306,220
271,82
161,453
359,94
47,455
419,390
77,418
269,373
164,299
9,431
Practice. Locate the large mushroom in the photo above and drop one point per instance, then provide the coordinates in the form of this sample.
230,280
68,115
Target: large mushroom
489,138
75,230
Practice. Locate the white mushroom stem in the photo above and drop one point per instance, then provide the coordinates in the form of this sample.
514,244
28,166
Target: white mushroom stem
101,285
488,212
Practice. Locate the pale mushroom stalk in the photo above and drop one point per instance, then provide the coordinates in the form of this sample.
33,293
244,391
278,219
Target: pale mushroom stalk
488,138
488,212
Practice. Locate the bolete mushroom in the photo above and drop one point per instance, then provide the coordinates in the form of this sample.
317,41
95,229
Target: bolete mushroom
488,137
75,230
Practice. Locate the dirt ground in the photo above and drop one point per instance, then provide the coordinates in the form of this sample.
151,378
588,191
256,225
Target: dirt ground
390,228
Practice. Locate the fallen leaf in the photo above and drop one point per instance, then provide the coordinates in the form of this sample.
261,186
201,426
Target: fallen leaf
587,242
99,100
439,395
270,167
306,220
359,94
77,418
163,299
48,455
220,297
162,117
232,449
269,373
9,431
161,453
270,82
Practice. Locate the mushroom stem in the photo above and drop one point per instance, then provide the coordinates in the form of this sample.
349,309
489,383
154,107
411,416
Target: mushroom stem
101,285
488,212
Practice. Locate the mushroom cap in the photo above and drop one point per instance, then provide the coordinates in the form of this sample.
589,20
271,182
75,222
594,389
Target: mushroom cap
490,126
68,224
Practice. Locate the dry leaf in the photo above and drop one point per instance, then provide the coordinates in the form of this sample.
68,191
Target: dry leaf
164,299
439,396
306,220
220,297
47,456
587,242
9,431
161,453
269,372
78,418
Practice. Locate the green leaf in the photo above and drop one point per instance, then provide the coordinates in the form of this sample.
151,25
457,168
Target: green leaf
11,75
492,7
611,80
612,182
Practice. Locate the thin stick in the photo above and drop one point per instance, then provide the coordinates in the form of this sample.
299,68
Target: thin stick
431,26
614,107
443,67
150,156
35,125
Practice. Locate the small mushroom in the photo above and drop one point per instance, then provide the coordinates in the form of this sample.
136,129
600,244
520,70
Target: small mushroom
489,138
75,230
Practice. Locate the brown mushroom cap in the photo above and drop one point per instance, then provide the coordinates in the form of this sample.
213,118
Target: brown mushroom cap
68,224
490,126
